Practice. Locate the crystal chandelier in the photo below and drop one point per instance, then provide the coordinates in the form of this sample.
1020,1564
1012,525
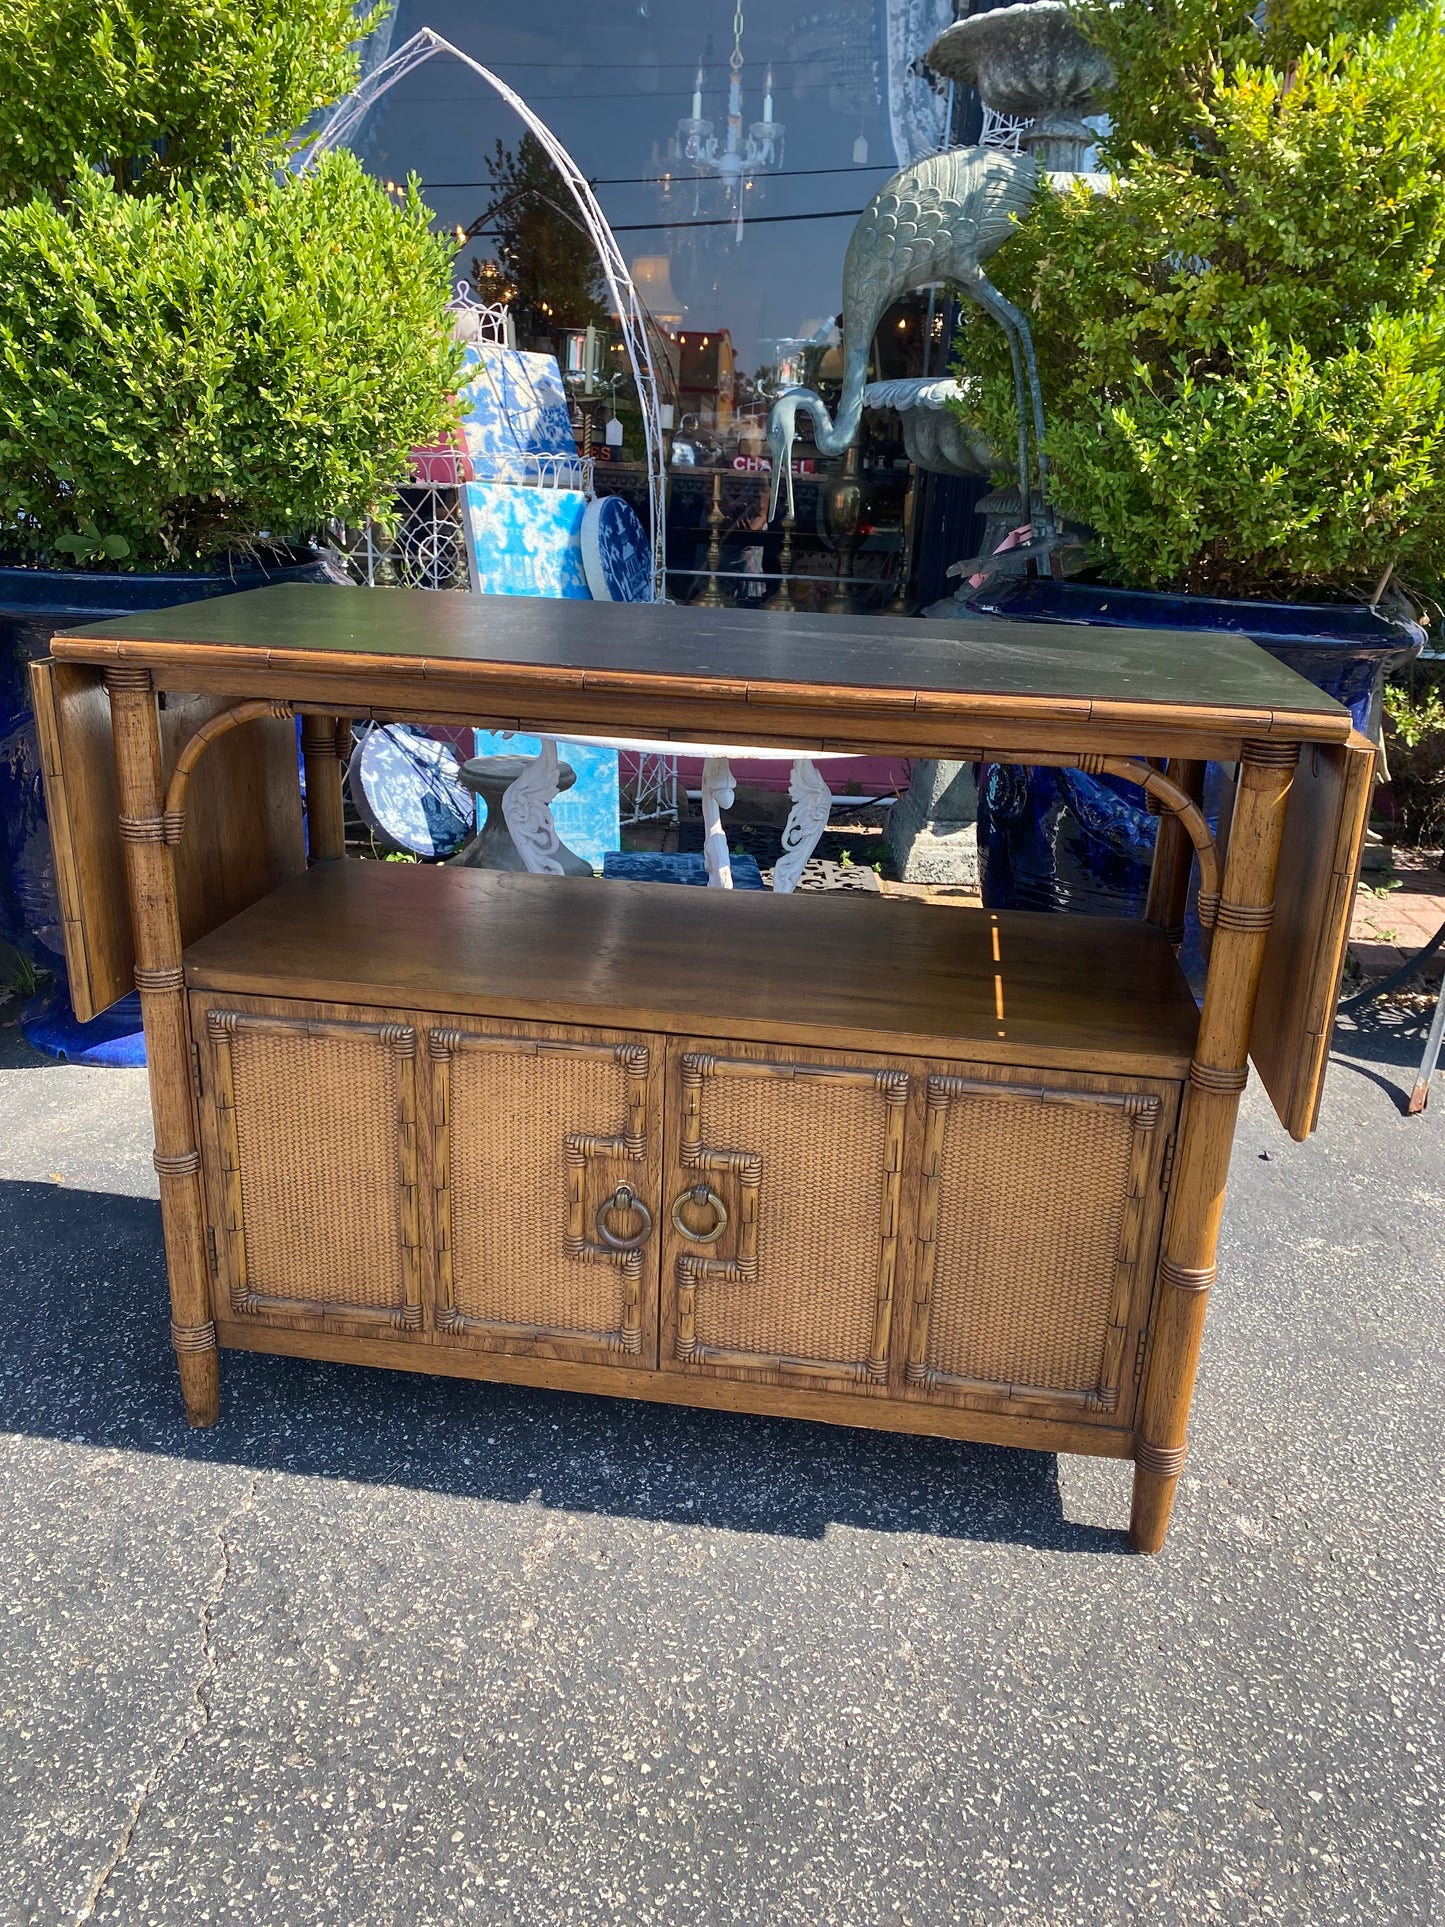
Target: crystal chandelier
737,155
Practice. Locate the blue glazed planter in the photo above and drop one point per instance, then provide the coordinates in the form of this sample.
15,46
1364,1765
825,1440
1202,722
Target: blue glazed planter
34,605
1056,839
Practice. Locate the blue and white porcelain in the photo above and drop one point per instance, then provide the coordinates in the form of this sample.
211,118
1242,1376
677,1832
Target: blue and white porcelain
513,407
527,541
404,785
615,552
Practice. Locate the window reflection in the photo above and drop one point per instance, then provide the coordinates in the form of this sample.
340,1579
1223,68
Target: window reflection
731,150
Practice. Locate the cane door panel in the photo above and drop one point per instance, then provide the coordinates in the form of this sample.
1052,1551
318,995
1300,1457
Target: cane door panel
312,1155
781,1239
545,1167
1040,1198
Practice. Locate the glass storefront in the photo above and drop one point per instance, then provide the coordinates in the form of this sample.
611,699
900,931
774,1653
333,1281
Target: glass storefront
731,149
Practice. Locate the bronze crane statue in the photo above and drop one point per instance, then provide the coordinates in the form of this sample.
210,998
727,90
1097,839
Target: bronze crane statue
938,219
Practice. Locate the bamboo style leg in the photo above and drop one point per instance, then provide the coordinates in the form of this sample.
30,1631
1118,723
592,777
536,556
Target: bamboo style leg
1173,857
151,885
1216,1078
325,818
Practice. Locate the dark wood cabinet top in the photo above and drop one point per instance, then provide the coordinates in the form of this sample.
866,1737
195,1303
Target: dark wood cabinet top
682,657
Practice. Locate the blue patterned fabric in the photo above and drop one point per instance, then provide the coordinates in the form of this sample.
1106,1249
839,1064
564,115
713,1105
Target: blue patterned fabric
527,541
615,552
678,866
588,815
513,405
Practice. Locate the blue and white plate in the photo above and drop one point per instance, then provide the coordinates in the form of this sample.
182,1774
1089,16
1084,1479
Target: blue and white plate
405,787
616,555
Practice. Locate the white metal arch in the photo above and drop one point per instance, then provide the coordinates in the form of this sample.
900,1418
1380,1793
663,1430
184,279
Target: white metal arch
347,117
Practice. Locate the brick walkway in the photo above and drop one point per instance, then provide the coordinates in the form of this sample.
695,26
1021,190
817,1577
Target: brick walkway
1395,915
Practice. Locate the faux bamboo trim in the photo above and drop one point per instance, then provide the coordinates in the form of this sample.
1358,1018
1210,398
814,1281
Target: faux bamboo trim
1093,1398
172,977
174,821
1244,916
321,736
125,676
194,1338
155,924
1185,1277
458,1324
1164,1461
142,829
179,1165
1267,755
1206,1078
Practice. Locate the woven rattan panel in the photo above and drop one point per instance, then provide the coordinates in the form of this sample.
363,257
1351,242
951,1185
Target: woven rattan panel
316,1129
822,1147
1031,1210
510,1116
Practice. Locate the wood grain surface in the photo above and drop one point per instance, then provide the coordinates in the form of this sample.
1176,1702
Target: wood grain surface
1319,866
830,970
242,837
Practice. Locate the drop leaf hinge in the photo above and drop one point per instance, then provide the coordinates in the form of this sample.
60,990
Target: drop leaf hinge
1139,1351
211,1249
1166,1168
196,1067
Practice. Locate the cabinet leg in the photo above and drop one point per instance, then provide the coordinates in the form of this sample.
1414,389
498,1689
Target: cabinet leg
155,923
1216,1079
325,816
201,1386
1153,1502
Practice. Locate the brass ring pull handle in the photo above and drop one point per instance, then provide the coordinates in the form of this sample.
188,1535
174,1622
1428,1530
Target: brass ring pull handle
624,1199
700,1194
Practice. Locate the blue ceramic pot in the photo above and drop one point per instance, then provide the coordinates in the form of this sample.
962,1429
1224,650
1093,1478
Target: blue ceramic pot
1054,839
34,605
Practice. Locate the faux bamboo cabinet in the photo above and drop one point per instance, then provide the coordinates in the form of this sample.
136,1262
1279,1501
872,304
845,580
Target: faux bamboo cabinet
871,1162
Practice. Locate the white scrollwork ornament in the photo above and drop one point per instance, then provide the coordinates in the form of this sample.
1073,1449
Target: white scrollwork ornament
527,807
717,795
807,820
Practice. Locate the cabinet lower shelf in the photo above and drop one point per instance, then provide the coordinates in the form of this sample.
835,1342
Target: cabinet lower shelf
944,1224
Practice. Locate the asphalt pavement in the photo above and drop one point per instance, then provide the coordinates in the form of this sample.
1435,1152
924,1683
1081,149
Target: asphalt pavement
382,1649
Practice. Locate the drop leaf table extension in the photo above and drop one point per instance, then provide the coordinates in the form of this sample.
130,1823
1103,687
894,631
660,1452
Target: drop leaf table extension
865,1161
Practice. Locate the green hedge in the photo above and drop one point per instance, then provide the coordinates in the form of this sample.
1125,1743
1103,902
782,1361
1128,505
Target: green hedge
184,371
1242,345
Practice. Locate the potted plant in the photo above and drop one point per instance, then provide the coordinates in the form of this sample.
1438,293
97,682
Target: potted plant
203,357
1242,339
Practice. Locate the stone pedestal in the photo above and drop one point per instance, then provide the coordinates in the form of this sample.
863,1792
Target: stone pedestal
933,830
493,847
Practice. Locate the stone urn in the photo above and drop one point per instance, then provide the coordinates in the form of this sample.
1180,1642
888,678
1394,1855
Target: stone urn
1031,60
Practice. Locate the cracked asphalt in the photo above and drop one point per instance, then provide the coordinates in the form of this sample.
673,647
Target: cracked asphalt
383,1649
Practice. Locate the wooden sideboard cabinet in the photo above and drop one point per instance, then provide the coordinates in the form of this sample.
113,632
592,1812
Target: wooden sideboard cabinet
958,1220
861,1160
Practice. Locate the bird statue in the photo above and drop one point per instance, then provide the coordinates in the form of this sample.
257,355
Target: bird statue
938,219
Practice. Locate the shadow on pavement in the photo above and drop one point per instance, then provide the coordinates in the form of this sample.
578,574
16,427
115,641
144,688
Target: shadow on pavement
88,1360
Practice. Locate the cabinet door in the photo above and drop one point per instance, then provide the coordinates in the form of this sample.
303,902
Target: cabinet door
781,1240
310,1127
1038,1220
545,1173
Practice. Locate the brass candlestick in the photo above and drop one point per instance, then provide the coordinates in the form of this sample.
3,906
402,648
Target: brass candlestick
712,596
843,506
782,597
902,603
